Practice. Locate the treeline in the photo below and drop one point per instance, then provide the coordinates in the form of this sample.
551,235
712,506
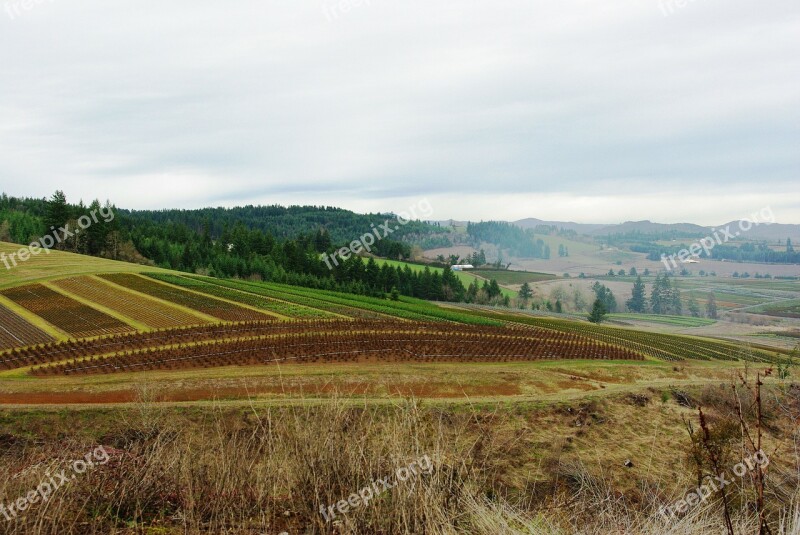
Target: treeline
288,222
511,238
232,251
27,220
746,252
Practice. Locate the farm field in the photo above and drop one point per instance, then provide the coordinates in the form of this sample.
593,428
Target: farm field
153,313
16,332
275,325
59,264
275,306
207,305
466,277
358,341
374,381
788,310
69,315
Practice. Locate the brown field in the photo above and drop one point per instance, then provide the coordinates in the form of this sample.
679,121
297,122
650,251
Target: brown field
72,317
150,312
16,332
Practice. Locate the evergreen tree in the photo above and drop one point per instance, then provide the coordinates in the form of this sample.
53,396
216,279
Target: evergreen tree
58,212
638,301
494,289
599,312
605,296
525,292
661,295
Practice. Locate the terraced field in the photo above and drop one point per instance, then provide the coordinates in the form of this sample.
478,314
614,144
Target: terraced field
69,315
150,312
207,305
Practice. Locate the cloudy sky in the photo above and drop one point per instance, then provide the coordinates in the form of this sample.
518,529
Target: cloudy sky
560,109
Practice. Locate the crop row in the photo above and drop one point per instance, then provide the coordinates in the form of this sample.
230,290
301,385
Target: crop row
270,305
502,345
152,313
16,332
203,303
655,345
75,349
406,308
304,300
67,314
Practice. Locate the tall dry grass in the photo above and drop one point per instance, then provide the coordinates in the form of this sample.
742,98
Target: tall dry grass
270,469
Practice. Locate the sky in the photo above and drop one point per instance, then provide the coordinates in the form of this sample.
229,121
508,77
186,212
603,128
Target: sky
561,110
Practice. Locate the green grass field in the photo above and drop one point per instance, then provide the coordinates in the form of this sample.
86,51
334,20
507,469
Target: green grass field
466,277
59,264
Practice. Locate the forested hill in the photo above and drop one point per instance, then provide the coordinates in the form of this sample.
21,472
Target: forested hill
24,219
290,222
270,243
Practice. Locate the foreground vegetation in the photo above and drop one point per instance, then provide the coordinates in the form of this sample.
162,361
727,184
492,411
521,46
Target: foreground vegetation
591,466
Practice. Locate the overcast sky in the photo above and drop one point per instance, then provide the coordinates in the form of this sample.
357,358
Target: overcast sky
591,111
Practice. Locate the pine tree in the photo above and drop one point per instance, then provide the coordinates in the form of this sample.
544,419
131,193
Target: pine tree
598,313
57,212
525,292
638,301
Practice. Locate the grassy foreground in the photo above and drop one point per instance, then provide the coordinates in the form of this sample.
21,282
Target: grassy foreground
582,466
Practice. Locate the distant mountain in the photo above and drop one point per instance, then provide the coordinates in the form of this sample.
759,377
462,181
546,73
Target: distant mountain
771,232
648,227
580,228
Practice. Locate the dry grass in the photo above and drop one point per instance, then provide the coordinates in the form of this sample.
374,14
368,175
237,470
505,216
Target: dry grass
550,470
